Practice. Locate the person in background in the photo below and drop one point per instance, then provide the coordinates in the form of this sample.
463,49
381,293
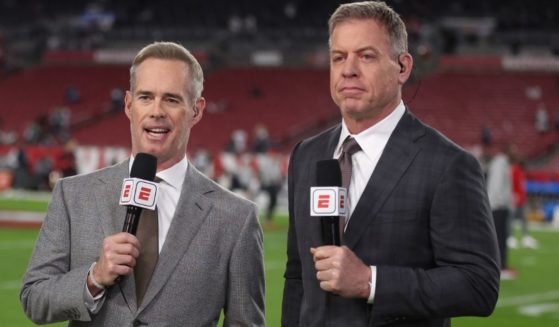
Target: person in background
499,191
520,199
271,180
541,119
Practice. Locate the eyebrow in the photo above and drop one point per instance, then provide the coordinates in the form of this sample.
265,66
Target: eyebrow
360,50
165,95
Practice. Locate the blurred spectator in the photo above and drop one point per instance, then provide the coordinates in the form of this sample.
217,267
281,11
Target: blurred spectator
499,190
33,132
290,10
60,124
485,135
271,180
67,160
261,139
21,170
541,119
238,142
202,160
41,178
7,137
217,107
72,95
117,99
520,200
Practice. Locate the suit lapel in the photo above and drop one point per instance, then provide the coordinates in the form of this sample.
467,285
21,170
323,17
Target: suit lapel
107,198
192,209
395,159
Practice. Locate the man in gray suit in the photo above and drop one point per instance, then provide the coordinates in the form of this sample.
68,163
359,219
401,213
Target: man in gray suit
419,245
210,241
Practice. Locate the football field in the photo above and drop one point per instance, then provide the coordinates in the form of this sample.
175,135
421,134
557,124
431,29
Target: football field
530,300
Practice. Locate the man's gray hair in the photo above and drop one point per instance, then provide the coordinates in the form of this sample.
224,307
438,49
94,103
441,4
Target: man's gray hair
378,11
171,50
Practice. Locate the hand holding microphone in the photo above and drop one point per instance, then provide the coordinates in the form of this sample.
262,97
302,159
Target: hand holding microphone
339,270
120,251
117,258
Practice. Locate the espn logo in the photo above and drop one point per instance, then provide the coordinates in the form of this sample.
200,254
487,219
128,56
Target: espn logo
138,192
328,201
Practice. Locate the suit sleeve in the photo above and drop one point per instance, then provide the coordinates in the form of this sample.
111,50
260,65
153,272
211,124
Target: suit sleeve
245,297
465,277
293,286
51,291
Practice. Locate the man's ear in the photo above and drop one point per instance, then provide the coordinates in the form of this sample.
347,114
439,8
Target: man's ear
128,103
405,61
198,109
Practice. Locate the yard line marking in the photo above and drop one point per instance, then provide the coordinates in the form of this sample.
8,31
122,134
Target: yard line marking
13,245
539,309
544,228
10,285
528,299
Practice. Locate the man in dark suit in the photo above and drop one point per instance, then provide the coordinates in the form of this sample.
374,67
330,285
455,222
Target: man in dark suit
419,244
207,255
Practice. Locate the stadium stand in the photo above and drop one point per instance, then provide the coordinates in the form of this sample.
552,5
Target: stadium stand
477,65
289,102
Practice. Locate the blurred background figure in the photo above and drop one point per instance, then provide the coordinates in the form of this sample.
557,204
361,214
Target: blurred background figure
271,180
499,190
238,142
261,139
520,200
542,119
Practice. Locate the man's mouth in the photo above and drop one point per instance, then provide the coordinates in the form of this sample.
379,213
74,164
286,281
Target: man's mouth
157,132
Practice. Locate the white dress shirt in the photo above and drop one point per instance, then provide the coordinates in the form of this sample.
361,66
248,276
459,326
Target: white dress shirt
170,189
372,141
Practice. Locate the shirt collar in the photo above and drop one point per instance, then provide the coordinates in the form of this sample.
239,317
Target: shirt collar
379,132
173,175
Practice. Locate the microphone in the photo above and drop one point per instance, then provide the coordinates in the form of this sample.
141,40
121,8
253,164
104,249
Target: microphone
139,191
328,200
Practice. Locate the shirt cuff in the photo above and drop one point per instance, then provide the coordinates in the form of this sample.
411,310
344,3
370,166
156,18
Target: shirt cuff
93,303
372,284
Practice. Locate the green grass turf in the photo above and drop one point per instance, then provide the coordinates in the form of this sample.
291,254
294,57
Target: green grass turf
23,205
536,284
24,201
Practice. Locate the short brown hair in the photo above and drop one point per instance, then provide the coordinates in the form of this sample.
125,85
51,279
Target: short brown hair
171,50
378,11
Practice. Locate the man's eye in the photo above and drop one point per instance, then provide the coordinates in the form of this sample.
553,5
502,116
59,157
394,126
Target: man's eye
337,58
367,57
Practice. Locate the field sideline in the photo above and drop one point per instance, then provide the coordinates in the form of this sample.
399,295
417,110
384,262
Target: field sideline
530,300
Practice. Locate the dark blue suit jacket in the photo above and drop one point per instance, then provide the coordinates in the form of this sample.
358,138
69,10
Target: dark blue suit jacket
423,219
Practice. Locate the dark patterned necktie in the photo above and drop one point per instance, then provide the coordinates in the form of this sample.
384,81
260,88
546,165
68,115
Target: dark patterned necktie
349,148
148,235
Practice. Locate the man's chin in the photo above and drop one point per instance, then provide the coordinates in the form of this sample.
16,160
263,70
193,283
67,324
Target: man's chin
154,151
354,112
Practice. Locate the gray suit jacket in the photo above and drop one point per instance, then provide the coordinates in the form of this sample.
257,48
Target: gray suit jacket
423,220
212,258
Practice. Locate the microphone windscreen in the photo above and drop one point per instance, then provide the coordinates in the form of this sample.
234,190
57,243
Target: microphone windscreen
328,173
144,166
